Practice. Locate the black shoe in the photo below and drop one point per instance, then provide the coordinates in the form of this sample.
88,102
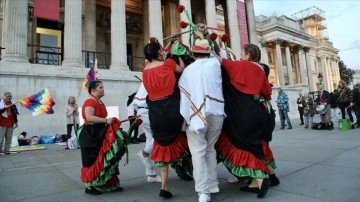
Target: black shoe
301,124
274,181
165,194
180,171
250,189
92,191
7,154
264,188
289,128
282,128
67,148
118,189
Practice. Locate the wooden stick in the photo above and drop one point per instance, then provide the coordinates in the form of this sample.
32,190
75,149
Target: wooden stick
168,37
135,117
138,78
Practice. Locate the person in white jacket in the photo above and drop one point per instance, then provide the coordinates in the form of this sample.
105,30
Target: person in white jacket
202,106
139,103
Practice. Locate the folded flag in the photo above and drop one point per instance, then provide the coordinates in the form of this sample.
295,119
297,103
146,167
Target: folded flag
39,103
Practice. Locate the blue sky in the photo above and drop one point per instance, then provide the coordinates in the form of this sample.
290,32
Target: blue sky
342,18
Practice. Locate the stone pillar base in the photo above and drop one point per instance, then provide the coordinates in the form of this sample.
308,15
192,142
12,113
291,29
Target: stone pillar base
72,63
120,67
13,58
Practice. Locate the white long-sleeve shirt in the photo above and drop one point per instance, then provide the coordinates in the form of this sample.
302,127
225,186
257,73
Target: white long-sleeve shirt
201,92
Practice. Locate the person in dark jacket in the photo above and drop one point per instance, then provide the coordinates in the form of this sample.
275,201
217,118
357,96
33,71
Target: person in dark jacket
344,96
356,103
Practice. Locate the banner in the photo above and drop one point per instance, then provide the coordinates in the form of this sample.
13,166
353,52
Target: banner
243,28
47,9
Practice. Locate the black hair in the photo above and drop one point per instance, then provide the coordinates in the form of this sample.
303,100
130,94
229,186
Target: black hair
266,69
93,85
186,58
151,51
201,55
253,51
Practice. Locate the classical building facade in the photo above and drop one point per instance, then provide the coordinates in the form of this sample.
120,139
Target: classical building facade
38,53
297,49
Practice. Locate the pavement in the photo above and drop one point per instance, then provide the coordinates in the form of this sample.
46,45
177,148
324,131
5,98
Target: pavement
313,166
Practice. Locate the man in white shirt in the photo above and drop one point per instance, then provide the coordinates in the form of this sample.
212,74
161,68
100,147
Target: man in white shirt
202,106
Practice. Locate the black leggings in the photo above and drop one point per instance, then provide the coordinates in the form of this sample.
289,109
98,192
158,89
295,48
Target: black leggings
69,129
342,107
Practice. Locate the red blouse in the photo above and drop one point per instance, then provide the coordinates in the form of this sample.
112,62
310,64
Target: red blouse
247,77
159,82
100,109
8,121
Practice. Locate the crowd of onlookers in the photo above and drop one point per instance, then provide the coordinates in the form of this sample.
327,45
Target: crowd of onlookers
329,105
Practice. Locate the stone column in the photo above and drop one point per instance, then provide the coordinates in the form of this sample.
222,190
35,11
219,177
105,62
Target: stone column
302,65
14,31
264,53
72,34
185,37
118,36
233,26
146,22
324,73
337,72
210,13
289,65
90,25
329,74
309,69
155,20
250,13
279,63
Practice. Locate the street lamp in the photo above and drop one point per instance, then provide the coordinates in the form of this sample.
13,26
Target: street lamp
320,78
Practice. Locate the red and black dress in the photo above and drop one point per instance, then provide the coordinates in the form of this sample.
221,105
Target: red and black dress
240,146
163,100
102,147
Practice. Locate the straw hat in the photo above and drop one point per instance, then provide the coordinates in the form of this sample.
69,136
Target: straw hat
201,46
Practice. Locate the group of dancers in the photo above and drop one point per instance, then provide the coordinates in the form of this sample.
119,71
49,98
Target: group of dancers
198,107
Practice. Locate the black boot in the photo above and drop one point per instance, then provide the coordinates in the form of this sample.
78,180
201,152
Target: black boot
92,191
264,188
180,171
274,181
165,194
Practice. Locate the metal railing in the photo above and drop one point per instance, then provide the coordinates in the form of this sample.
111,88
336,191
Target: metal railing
45,55
103,59
135,63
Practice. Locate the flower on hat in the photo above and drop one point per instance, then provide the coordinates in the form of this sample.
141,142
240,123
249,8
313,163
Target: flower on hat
180,8
225,38
213,36
183,24
152,39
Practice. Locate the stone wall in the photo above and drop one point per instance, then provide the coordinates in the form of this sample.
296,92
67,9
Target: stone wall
23,80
